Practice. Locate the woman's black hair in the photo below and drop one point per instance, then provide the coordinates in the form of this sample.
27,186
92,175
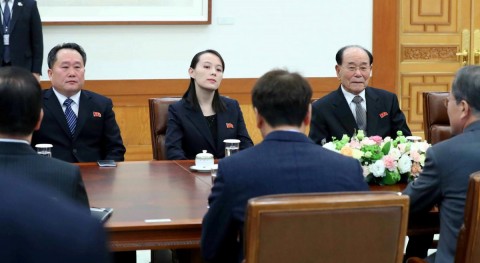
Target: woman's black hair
191,96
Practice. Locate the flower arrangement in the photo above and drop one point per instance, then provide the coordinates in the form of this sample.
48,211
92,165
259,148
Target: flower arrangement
384,161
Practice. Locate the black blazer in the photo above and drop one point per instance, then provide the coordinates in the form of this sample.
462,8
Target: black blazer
331,116
188,133
36,228
97,135
26,38
19,159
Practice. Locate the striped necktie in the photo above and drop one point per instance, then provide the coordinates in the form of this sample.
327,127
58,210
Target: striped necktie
360,112
70,115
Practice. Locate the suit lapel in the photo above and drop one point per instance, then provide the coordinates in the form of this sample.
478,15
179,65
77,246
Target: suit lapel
53,105
17,12
343,112
222,119
85,110
198,120
372,110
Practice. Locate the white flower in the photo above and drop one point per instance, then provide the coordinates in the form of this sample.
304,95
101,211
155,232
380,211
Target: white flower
395,153
366,171
423,146
367,141
357,154
377,168
330,146
404,164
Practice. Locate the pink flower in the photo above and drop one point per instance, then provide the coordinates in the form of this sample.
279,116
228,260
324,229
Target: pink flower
390,162
377,139
355,144
415,156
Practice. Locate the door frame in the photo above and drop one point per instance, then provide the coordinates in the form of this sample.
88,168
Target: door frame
385,44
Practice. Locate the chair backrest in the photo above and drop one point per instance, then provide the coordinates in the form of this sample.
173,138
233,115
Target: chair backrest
158,108
468,243
356,227
435,118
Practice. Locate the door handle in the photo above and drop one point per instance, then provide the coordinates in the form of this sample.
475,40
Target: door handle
463,54
476,46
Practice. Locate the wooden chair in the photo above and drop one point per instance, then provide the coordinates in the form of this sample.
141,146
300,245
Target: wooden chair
356,227
468,243
158,108
436,124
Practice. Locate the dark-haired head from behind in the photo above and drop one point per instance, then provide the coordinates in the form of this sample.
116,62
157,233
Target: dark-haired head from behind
20,102
282,98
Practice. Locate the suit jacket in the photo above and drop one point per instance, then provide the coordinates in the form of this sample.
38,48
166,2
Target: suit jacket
444,181
36,228
188,133
19,159
97,135
26,38
332,116
285,162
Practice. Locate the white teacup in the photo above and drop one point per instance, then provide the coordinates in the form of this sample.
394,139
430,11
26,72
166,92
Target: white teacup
231,146
44,149
204,160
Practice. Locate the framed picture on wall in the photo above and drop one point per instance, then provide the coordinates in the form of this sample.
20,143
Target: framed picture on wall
125,12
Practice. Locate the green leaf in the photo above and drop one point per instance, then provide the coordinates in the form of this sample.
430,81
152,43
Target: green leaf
386,148
391,178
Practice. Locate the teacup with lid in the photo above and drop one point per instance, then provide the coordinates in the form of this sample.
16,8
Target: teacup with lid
204,160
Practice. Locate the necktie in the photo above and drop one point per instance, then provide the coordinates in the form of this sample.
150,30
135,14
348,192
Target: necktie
6,23
360,112
70,115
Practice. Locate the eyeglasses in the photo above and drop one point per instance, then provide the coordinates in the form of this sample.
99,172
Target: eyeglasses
352,68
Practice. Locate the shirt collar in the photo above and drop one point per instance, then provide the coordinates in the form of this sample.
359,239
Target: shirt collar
349,96
62,98
14,140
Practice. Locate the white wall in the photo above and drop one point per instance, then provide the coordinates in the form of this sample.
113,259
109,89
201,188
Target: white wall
301,35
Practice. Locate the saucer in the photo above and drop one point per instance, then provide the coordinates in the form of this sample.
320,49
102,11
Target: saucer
200,169
414,138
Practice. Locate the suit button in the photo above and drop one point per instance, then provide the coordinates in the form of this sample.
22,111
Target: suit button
74,150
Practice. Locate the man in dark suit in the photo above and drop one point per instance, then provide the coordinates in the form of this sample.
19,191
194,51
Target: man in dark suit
37,228
444,180
80,124
337,114
22,43
21,113
285,162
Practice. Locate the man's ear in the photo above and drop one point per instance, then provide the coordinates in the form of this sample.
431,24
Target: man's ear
465,109
337,69
308,117
259,118
39,122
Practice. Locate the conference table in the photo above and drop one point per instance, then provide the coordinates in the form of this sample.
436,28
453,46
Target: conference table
157,204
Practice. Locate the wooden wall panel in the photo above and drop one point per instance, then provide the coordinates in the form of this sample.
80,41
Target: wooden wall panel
130,100
413,85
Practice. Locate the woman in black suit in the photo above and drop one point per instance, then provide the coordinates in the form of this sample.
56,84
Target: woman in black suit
202,119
